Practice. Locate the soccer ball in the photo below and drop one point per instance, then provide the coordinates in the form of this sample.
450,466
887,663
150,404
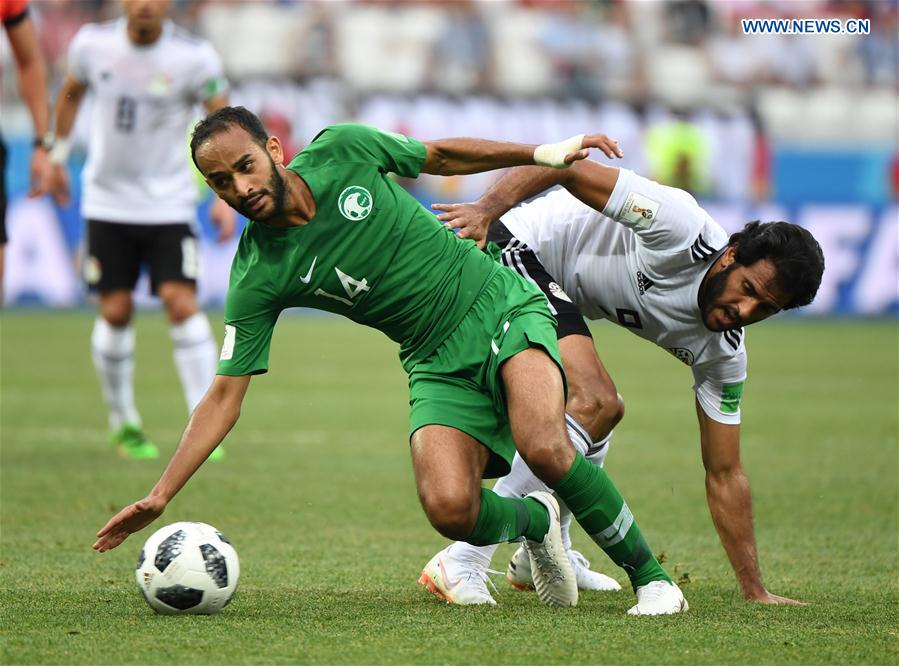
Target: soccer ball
187,568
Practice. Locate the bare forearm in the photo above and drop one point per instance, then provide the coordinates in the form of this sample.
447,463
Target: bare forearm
730,503
519,184
211,421
66,110
592,183
33,86
67,107
452,157
589,181
32,72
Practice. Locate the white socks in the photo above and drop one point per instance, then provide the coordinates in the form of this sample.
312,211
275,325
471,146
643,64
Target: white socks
113,352
112,349
196,356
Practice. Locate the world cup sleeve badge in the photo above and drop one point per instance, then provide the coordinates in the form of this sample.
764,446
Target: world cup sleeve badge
639,210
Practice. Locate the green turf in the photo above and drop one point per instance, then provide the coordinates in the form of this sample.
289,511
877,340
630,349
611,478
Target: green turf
316,493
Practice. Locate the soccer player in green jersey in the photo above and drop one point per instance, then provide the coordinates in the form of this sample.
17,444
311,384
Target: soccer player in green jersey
332,231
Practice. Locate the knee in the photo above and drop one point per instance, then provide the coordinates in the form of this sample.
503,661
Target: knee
180,304
599,409
451,512
610,407
549,457
619,409
116,312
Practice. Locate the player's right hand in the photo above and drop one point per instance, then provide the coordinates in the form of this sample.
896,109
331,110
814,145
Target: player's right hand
130,519
468,220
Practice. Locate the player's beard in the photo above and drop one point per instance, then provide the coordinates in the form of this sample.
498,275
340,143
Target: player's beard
711,291
277,191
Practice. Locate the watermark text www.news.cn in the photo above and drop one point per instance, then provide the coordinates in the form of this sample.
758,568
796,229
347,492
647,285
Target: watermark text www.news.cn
806,26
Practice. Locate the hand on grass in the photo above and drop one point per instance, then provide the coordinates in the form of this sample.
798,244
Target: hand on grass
772,599
130,519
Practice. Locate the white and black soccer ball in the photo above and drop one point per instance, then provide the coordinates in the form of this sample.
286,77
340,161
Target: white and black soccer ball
187,568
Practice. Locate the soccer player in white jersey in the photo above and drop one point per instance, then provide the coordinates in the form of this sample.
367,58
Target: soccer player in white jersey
146,77
656,263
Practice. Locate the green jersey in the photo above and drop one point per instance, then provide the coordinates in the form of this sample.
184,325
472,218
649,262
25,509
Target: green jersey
371,253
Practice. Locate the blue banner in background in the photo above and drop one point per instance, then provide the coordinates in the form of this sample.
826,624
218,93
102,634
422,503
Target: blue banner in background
801,175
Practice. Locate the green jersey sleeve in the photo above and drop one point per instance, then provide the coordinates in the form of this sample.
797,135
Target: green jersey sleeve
389,151
249,323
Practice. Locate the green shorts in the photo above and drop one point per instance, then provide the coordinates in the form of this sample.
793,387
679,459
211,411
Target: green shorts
459,385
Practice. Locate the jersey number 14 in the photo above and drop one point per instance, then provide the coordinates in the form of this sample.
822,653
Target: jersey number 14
351,286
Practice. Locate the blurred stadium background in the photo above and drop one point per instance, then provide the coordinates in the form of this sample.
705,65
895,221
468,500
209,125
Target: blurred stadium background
800,127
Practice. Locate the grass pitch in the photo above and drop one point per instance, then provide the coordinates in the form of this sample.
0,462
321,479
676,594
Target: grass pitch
316,494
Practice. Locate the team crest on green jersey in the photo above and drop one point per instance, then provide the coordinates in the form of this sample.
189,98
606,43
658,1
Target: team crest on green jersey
355,203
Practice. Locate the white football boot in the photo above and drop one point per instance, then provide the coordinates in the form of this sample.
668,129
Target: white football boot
550,567
518,573
659,598
457,580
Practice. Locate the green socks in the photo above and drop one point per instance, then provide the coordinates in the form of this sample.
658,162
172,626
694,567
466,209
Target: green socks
504,519
602,512
596,504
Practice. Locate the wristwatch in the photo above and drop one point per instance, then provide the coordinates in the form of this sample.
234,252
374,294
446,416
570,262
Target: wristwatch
46,141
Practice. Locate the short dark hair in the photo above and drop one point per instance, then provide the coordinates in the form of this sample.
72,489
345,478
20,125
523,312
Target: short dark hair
221,120
796,255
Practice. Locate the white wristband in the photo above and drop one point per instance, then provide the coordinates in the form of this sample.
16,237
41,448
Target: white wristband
59,153
553,154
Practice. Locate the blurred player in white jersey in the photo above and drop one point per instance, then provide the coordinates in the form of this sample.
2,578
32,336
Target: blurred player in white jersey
146,77
655,262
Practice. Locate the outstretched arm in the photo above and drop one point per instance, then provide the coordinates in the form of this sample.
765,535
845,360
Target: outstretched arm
213,418
454,157
589,181
730,503
451,157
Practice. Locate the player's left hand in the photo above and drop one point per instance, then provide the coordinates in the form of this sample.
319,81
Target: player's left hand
607,145
130,519
224,217
773,599
468,220
563,154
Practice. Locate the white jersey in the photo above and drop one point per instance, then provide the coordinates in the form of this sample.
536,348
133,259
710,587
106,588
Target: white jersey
143,104
639,264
